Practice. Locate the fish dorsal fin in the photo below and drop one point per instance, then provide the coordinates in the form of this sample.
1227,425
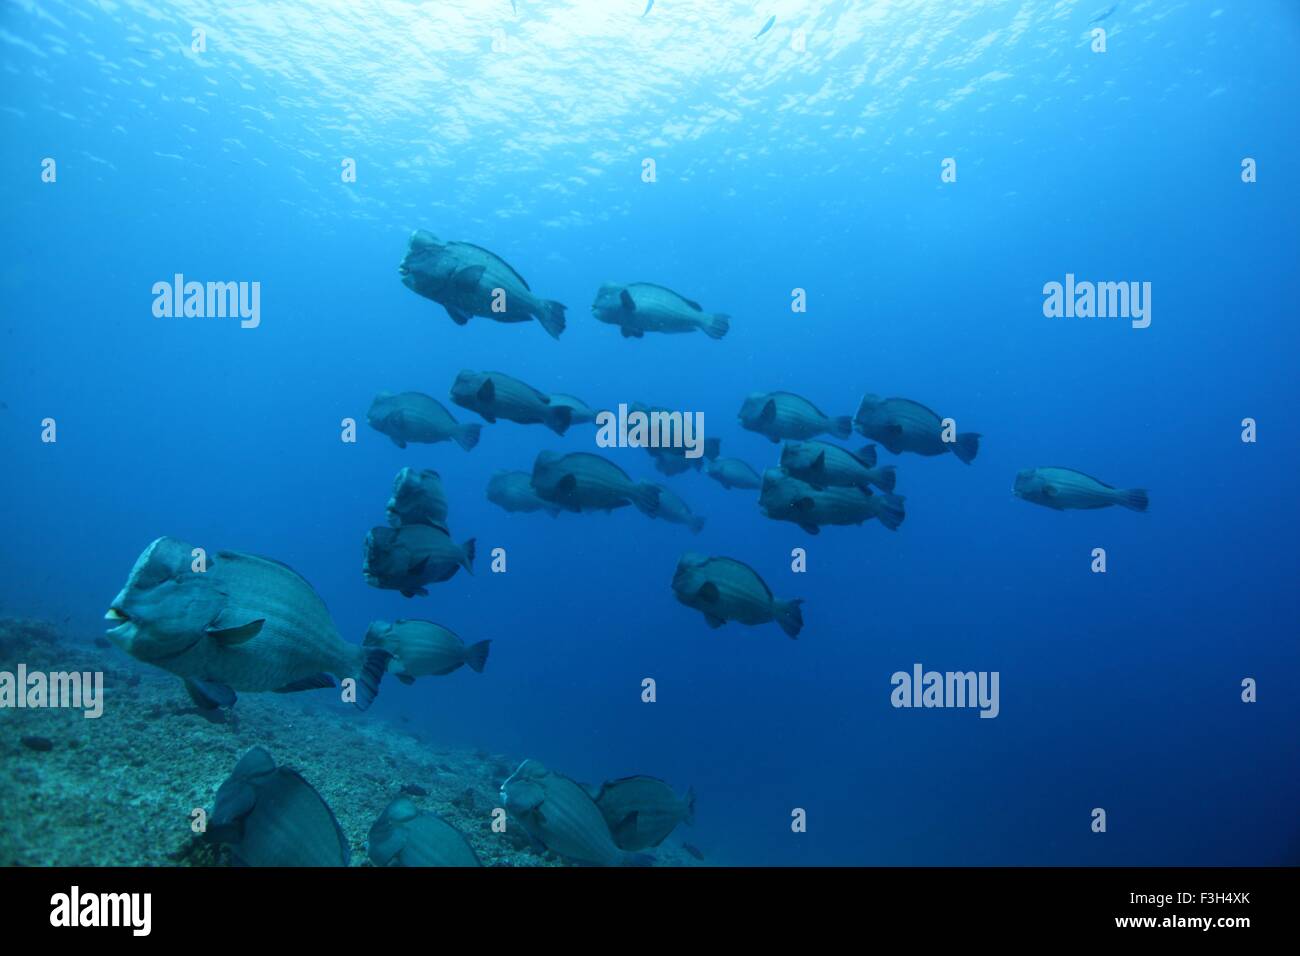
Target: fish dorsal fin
496,258
675,295
1076,471
924,408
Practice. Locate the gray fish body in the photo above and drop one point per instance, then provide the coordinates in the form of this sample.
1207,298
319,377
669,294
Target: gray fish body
561,815
513,491
786,498
497,395
465,280
422,648
641,811
673,509
415,417
724,589
585,482
733,473
404,835
418,498
271,816
822,464
248,623
1064,489
782,415
901,424
641,307
580,413
407,558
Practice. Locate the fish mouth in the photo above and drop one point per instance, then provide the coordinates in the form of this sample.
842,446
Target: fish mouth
122,635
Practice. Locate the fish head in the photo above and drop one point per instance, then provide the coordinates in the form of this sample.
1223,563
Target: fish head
608,304
464,391
379,560
165,605
423,251
774,491
793,455
752,408
1030,485
523,791
383,407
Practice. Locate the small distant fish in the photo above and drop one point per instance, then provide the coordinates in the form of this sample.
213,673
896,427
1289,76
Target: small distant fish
766,26
245,623
1064,489
733,473
786,498
418,498
422,648
693,851
415,417
412,789
582,481
39,744
901,424
561,815
782,415
641,307
497,395
405,835
469,280
271,816
1104,14
641,811
821,464
648,7
724,589
407,558
513,491
673,509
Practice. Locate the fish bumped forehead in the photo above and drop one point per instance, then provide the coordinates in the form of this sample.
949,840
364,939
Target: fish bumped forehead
164,559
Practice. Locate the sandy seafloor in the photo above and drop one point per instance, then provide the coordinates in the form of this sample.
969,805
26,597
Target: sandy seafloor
118,790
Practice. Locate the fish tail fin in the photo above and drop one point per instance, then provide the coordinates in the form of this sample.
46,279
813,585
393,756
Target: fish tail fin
717,325
467,436
646,498
551,315
697,524
885,478
559,418
789,617
476,656
868,455
373,665
690,807
842,426
890,510
1133,498
467,555
967,446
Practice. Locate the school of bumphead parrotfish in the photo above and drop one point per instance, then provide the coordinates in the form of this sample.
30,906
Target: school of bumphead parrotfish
242,623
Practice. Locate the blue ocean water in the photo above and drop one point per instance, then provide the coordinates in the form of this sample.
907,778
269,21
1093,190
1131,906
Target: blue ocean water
524,128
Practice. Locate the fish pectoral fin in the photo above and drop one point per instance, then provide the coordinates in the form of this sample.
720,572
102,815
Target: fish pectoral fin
768,414
567,485
314,682
487,392
713,620
209,695
468,278
804,504
709,592
629,305
810,528
405,678
819,465
629,333
457,316
229,635
419,567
